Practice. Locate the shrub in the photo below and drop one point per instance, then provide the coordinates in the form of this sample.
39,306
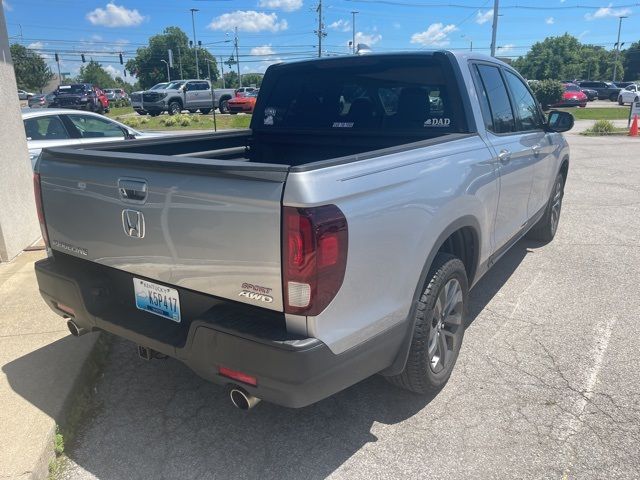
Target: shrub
168,121
602,127
184,120
547,92
131,121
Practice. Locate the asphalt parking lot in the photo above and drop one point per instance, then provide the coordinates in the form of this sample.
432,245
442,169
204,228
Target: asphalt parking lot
547,384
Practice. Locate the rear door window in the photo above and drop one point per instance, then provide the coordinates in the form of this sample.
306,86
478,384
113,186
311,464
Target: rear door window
502,116
525,105
45,128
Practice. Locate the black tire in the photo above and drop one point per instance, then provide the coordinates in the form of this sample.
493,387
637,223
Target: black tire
613,97
154,114
141,112
233,113
224,105
193,111
420,374
547,226
174,108
205,111
620,102
99,109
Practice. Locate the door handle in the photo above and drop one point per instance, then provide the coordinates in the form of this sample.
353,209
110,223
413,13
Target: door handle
133,190
504,157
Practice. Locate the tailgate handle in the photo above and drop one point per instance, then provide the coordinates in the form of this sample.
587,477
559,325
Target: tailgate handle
135,190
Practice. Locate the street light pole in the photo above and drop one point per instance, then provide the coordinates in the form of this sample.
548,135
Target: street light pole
168,73
494,27
195,43
353,30
237,58
615,64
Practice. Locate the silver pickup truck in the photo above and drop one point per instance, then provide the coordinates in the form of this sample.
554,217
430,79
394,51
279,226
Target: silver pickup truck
336,238
191,95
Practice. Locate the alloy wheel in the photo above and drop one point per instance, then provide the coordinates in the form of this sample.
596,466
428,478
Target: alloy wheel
446,326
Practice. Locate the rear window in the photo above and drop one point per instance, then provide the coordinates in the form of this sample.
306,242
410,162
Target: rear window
385,94
74,89
572,88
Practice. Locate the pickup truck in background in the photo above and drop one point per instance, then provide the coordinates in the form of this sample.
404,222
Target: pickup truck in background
336,238
192,95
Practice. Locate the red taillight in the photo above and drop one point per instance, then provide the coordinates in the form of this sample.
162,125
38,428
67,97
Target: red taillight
239,376
315,242
37,190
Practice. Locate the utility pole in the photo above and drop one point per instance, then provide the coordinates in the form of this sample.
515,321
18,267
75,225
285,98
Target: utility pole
168,73
195,43
494,28
180,62
235,41
615,64
320,30
58,62
222,72
353,30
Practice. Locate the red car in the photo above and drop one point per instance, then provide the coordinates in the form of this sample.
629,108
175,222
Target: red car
244,104
572,97
102,98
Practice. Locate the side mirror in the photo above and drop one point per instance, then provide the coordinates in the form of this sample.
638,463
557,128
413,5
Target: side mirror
185,87
560,121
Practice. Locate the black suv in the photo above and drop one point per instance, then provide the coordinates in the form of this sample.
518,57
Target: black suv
606,90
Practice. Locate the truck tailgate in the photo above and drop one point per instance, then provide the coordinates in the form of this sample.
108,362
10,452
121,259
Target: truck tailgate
205,225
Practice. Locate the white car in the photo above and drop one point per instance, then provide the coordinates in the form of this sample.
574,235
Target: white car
49,127
629,94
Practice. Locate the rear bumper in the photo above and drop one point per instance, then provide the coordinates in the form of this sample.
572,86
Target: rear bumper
291,371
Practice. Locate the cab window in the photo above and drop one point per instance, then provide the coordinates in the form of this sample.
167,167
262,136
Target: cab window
95,127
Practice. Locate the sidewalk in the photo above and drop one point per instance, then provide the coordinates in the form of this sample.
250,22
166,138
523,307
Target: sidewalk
40,364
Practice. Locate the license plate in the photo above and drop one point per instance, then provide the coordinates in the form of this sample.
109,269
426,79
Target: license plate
157,299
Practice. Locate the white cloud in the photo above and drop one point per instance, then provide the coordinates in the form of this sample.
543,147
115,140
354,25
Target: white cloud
396,25
248,21
96,38
436,35
506,48
262,50
549,20
115,16
340,25
286,5
583,34
604,12
368,39
6,5
35,46
484,17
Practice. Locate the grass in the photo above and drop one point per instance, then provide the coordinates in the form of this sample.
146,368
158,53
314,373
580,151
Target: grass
117,111
185,122
607,113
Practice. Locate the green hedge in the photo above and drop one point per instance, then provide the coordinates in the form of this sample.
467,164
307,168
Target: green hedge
547,92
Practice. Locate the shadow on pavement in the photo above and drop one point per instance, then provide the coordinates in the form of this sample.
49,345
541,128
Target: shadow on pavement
159,420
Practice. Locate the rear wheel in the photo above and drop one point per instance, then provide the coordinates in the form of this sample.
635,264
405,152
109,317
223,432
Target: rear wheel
439,328
224,106
154,114
205,111
141,112
547,226
613,97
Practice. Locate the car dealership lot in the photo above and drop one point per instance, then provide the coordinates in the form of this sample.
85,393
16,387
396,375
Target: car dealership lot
547,383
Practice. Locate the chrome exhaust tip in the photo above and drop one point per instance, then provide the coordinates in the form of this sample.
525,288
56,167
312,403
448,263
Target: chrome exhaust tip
242,399
75,329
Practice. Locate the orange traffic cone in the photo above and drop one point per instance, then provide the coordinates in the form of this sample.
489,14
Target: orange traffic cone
633,131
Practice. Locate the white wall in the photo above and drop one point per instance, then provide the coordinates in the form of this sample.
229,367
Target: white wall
18,220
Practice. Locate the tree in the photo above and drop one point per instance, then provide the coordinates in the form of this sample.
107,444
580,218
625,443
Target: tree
32,72
93,73
631,62
252,79
565,58
148,67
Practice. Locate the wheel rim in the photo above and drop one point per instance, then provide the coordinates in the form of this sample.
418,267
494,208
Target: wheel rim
556,205
174,108
446,326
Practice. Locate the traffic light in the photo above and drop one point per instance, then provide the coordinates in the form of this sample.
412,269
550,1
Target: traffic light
82,57
121,62
125,73
57,58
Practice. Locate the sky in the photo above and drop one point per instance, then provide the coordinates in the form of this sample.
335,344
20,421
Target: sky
271,31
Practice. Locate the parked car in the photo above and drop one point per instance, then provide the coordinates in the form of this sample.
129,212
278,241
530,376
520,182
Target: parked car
606,90
41,100
244,104
572,97
192,95
114,94
24,95
62,127
623,84
80,96
336,238
629,94
591,94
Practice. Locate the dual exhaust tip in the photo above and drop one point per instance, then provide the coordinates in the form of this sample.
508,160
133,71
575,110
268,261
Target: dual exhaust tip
75,329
